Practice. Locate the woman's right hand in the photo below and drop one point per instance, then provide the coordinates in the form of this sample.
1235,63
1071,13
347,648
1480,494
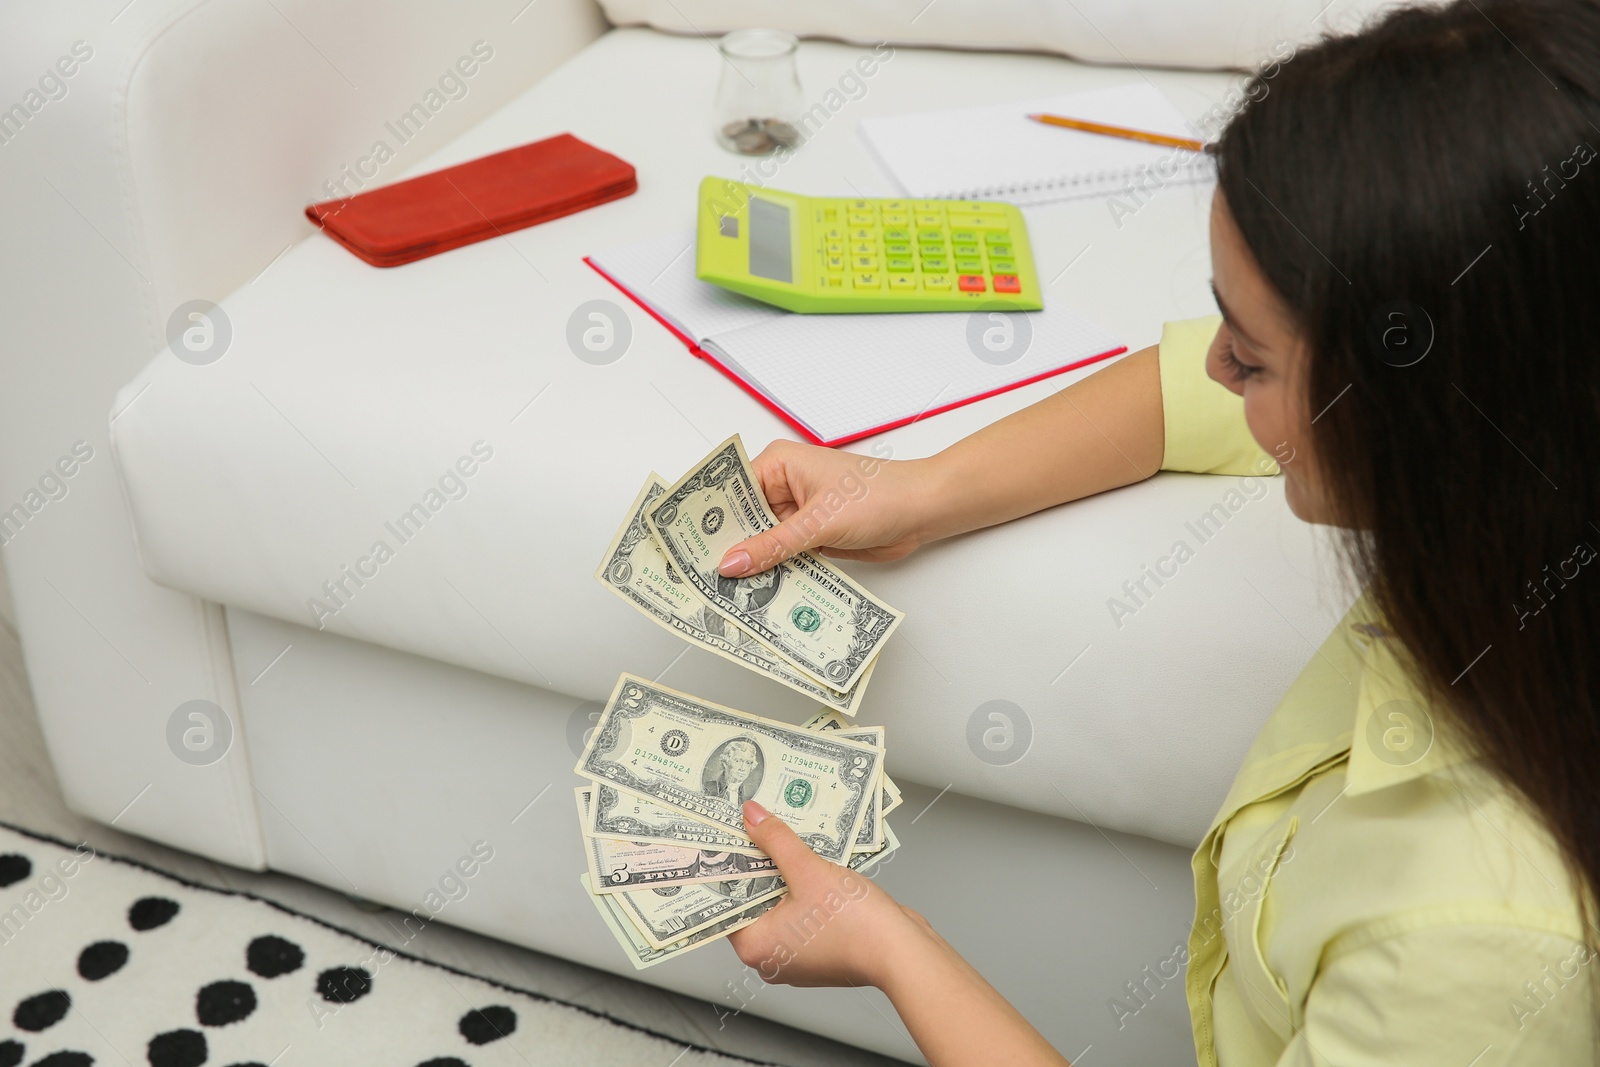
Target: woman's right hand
840,503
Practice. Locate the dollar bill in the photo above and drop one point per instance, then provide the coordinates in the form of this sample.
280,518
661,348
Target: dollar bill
707,760
636,569
870,837
623,816
862,860
671,913
641,952
824,719
631,813
618,866
812,615
829,719
896,798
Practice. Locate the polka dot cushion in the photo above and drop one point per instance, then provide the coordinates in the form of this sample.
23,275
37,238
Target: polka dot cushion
103,960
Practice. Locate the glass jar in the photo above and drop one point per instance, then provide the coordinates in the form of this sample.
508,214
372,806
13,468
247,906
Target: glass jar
758,98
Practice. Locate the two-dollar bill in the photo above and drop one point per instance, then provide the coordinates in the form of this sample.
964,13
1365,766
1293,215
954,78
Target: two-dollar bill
703,761
675,771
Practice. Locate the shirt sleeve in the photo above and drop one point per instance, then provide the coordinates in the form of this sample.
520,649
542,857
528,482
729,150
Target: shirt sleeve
1488,995
1204,420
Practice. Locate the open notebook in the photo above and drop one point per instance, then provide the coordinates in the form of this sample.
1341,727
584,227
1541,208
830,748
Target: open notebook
996,152
837,378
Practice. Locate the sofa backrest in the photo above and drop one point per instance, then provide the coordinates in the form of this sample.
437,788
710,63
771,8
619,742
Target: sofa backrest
239,113
1217,34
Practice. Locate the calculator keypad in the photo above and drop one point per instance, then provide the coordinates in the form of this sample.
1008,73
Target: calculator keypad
921,245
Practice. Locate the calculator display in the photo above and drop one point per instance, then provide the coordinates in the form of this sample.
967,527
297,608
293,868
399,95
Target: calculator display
770,255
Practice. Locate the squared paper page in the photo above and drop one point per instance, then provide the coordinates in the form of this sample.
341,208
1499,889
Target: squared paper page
660,271
842,374
997,152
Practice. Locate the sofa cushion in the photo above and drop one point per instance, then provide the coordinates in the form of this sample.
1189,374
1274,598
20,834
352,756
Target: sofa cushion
437,410
1235,34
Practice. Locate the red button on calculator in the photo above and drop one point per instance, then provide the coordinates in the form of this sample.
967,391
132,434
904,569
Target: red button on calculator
971,283
1007,283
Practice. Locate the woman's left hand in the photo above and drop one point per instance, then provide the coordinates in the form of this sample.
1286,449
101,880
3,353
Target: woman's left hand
834,928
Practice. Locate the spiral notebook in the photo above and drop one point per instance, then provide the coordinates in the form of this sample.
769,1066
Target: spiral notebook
839,378
996,152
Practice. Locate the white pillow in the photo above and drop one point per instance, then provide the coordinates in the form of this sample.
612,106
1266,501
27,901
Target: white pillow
1234,34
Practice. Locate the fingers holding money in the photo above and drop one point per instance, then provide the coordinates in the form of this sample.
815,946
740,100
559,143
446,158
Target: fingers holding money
840,504
673,873
671,863
787,484
818,618
636,569
832,926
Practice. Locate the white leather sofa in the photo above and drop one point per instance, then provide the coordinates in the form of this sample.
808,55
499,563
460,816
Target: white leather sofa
206,504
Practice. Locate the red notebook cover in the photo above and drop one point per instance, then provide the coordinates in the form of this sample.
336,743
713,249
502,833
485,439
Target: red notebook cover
799,427
473,201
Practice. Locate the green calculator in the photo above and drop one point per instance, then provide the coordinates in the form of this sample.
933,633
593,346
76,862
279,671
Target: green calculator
822,254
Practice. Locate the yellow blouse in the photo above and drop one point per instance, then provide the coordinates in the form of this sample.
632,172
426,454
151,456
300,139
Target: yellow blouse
1368,893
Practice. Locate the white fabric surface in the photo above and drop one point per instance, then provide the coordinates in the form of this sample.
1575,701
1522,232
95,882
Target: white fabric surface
382,767
350,392
1173,33
410,1010
172,164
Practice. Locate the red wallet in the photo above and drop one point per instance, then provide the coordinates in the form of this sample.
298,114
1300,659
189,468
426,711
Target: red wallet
472,201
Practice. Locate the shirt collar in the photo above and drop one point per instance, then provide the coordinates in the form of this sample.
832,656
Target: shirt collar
1395,737
1353,701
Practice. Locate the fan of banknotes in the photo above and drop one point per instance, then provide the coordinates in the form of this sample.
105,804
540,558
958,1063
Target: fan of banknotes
670,867
801,623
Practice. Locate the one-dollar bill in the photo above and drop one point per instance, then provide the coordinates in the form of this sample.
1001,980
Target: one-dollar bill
817,618
707,760
636,569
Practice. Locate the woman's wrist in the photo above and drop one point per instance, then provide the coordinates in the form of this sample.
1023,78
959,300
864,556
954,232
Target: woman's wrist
937,498
911,948
952,495
1047,453
953,1013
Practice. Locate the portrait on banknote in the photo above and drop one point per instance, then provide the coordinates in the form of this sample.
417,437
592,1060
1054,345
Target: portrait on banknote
733,771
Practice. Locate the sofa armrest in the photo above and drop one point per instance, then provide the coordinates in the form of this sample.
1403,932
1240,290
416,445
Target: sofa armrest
171,164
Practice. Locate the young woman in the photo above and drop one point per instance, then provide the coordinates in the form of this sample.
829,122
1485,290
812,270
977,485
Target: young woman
1405,244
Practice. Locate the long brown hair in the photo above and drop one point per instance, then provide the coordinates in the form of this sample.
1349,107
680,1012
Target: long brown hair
1425,197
